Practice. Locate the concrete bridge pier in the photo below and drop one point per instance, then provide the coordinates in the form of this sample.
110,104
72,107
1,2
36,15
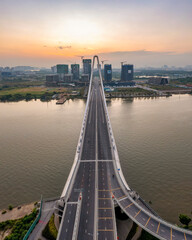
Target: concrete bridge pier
58,212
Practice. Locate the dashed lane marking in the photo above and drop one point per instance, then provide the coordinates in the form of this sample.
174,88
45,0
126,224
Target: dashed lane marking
129,205
158,228
103,198
147,221
115,189
185,236
137,214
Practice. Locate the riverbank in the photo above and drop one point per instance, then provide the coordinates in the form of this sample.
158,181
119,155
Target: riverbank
14,94
17,212
12,219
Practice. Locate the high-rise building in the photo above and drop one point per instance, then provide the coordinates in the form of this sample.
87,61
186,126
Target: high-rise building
62,69
127,73
75,71
87,66
107,72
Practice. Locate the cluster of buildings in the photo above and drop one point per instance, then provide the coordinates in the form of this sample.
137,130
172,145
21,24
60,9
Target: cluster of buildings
62,76
14,71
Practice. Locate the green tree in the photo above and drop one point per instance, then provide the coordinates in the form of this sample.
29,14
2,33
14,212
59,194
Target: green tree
184,219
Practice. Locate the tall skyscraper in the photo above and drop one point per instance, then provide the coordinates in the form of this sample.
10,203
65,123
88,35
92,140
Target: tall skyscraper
107,72
62,69
75,71
127,73
87,66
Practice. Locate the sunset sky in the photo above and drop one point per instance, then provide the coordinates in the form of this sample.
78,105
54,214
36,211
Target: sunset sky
143,32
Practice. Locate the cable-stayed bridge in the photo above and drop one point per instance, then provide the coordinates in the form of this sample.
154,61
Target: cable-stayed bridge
96,183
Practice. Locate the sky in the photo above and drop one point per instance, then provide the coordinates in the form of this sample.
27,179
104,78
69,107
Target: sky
43,33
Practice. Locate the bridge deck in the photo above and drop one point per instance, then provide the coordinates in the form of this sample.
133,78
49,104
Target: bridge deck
98,180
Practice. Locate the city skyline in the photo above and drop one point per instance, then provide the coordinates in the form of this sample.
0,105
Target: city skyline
145,33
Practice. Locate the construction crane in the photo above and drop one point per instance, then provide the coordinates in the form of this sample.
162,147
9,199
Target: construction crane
122,63
81,57
102,62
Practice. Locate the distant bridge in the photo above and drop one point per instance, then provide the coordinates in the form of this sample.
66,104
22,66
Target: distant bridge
96,183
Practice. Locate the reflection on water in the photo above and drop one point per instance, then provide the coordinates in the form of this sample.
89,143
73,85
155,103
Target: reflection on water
153,136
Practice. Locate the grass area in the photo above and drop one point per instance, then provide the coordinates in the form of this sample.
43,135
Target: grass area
18,227
124,92
50,231
30,90
164,87
45,94
22,84
132,90
183,81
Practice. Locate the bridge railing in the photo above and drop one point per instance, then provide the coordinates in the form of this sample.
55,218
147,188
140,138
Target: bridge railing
154,217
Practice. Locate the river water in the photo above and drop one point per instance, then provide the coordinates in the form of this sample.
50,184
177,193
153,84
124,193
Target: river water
153,136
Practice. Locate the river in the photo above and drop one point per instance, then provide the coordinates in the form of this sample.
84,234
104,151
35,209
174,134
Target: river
153,136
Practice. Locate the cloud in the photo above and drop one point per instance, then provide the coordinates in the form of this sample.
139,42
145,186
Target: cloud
142,52
63,47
